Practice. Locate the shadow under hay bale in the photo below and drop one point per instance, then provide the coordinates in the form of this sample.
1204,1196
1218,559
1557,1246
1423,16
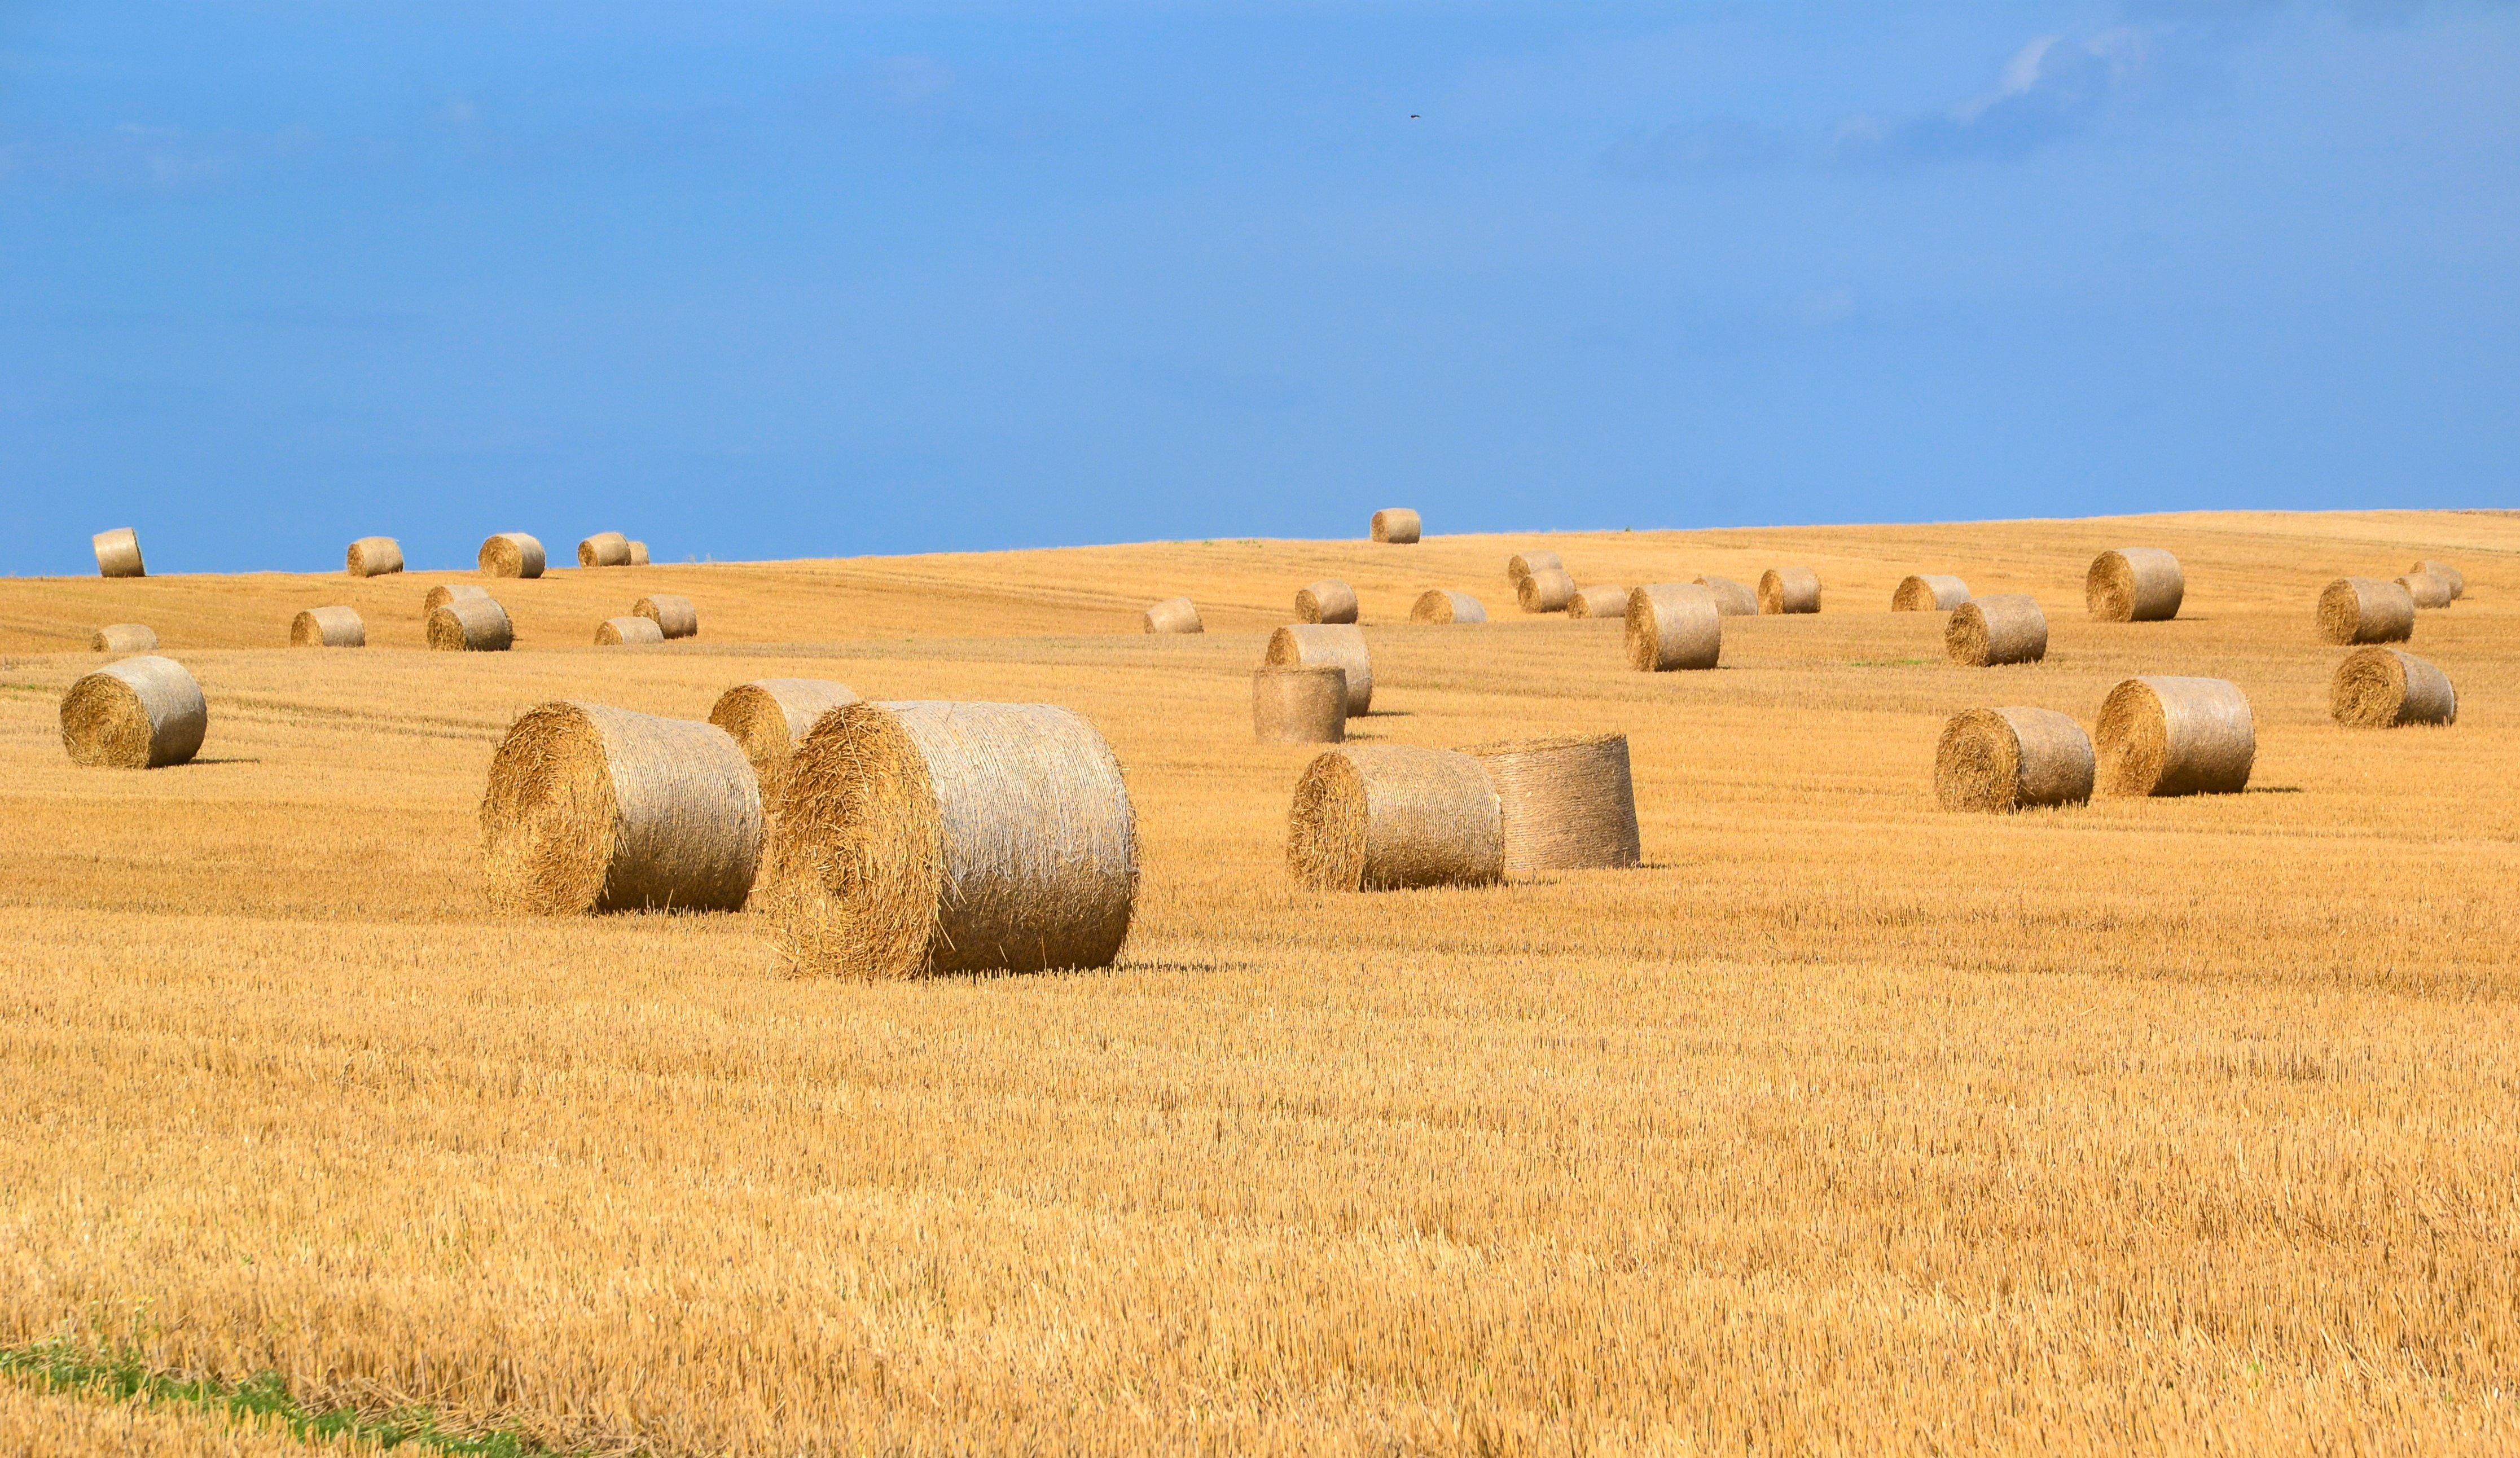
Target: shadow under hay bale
2007,759
2003,627
2457,579
476,624
1329,600
1547,591
2383,688
604,549
328,627
123,637
1608,600
1339,644
140,713
2135,584
2430,590
629,630
2165,736
117,553
444,593
1437,606
1788,589
1731,599
1393,817
769,717
1568,803
1523,565
1396,524
374,557
674,616
1299,703
1174,615
512,554
2365,609
1924,592
1673,625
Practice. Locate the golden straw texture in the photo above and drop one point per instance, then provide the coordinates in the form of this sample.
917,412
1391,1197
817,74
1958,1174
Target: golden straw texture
674,616
1339,644
1606,599
769,717
2430,590
374,555
1393,817
2457,579
117,553
1396,524
139,713
638,554
2365,609
2007,759
1174,615
1327,600
1523,565
633,630
124,637
471,626
1547,591
447,592
2381,688
2003,627
1731,599
1673,625
1436,605
604,549
2176,735
328,627
1568,803
512,554
1924,592
2135,584
1299,703
1788,589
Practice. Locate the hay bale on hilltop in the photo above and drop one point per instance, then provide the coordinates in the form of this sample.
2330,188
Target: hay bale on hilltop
2007,759
673,615
471,626
1731,599
631,630
512,554
1396,524
1523,565
1174,615
769,717
140,713
2382,688
2430,590
1329,600
1547,591
2457,579
638,554
918,839
2365,609
444,593
1608,600
374,557
2135,584
328,627
1924,592
1435,605
1565,802
1788,589
1338,645
2176,735
1299,703
123,637
1673,625
591,809
117,553
2003,627
1393,817
604,549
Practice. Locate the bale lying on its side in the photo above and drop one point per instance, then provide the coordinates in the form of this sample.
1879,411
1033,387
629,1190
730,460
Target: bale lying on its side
2365,610
1547,591
1396,524
117,553
1673,625
1393,817
2135,584
769,717
2006,759
2457,579
939,837
2381,688
374,555
615,632
1605,601
1174,615
1731,599
444,593
1299,703
1327,600
1435,605
638,554
591,809
328,627
139,713
512,554
1523,565
2429,589
674,616
124,637
1790,589
1339,644
2003,627
2176,735
604,549
1924,592
1566,803
474,624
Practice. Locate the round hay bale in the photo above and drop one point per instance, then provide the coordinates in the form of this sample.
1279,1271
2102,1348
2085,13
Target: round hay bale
512,554
374,555
1393,817
2430,590
769,717
2457,579
1790,589
638,554
939,837
1673,625
139,713
1731,599
124,637
673,614
604,549
1299,703
615,632
1924,592
1338,645
2007,759
1523,565
2003,627
1396,524
1547,590
117,553
444,593
1327,600
1174,615
1605,601
1435,605
2176,735
2135,584
591,808
1566,803
328,627
476,624
2365,609
2381,688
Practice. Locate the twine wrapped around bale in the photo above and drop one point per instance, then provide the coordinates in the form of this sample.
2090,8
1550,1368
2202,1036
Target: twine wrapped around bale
140,713
1673,625
1299,703
328,627
769,717
374,555
117,553
1435,605
2007,759
916,839
2176,735
124,637
1174,615
591,809
1523,565
632,631
1924,592
674,616
1731,599
1547,590
1790,589
2003,627
1338,645
445,592
474,624
1566,803
2365,609
1393,817
638,554
604,549
2135,584
2430,590
1605,601
512,554
1329,600
2457,579
1396,524
2382,688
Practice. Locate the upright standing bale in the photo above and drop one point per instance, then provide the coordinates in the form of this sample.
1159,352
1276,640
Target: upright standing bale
328,627
2457,579
2428,590
117,553
374,555
2365,609
591,809
2381,688
1299,703
1568,803
1393,817
1339,644
638,554
1523,565
1673,625
938,838
2135,584
512,554
1435,605
604,549
1547,591
1790,589
632,631
1605,601
1174,615
2007,759
1396,524
2176,735
1924,592
1731,599
139,713
673,615
445,592
124,637
1327,600
769,717
471,626
2005,627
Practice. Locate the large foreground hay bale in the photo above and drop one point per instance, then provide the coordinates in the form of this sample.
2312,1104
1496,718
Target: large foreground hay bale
476,624
139,713
2135,584
1547,591
632,629
1329,600
117,553
446,592
1673,625
2381,688
1299,703
1174,615
328,627
769,717
638,554
1731,599
512,554
2003,627
1396,524
1436,605
939,837
124,637
1566,803
1924,592
1790,589
1608,600
1390,817
673,615
1338,645
2430,590
374,555
2007,759
2176,735
604,549
594,808
2365,609
2457,579
1523,565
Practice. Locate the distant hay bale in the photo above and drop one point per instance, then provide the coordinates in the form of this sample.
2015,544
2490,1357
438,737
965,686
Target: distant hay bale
1566,803
2430,590
1329,600
1394,817
1673,625
916,839
117,553
1790,589
1731,599
1925,592
616,633
2381,688
328,627
2365,609
1396,524
2176,735
2003,627
1435,605
444,593
124,637
1547,591
1174,615
1339,644
674,616
512,554
2135,584
2007,759
769,717
139,713
374,555
1299,703
591,809
604,549
2457,579
474,624
1605,601
1523,565
638,554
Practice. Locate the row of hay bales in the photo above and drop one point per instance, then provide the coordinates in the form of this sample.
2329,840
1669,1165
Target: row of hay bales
1394,817
455,618
508,554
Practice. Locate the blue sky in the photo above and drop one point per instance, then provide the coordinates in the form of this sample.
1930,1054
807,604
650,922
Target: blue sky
766,279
